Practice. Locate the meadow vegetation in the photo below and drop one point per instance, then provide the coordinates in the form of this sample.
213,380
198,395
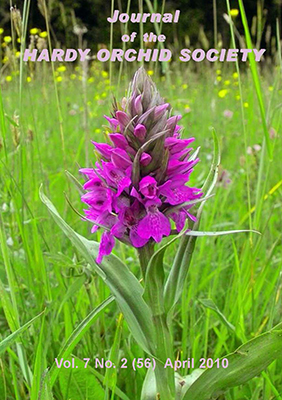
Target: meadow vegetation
233,291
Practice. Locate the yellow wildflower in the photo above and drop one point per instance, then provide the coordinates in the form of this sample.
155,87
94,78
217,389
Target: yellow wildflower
1,31
91,79
184,86
34,31
59,79
270,88
246,104
227,83
73,76
150,72
237,97
235,75
218,78
8,78
18,53
104,74
7,39
234,12
28,79
97,130
43,34
218,71
222,93
61,68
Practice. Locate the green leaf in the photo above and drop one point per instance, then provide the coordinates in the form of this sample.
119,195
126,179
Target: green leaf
73,288
79,383
219,233
154,295
45,392
123,284
9,340
76,335
177,276
208,303
77,184
244,364
255,76
37,370
12,122
101,379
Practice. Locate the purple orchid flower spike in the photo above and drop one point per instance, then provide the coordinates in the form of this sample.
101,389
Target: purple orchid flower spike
143,174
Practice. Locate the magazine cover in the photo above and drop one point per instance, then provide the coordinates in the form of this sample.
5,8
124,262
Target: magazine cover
140,200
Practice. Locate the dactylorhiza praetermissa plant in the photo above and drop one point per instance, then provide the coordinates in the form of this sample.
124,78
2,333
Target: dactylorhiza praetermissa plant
141,182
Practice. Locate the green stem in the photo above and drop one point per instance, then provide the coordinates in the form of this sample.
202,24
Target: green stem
145,253
154,295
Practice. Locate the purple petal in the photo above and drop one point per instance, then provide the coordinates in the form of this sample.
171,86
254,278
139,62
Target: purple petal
93,183
176,132
135,239
104,149
100,199
89,172
106,246
191,216
176,167
179,218
120,202
140,131
176,145
122,118
145,159
173,120
119,140
123,184
113,122
116,177
155,225
179,195
148,187
120,158
160,110
118,230
135,194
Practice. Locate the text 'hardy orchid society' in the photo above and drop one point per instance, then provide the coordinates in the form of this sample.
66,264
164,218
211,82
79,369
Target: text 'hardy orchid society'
140,185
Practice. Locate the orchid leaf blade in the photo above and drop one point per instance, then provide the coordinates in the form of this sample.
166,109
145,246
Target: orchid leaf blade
248,361
9,340
123,284
220,233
